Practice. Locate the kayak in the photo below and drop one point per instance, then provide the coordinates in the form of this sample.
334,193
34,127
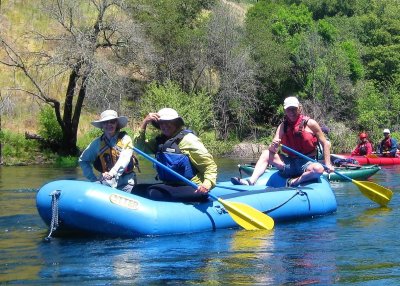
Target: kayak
353,172
373,160
72,207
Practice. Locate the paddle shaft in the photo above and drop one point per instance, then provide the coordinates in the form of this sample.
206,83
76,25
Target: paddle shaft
373,191
315,161
179,176
258,220
161,165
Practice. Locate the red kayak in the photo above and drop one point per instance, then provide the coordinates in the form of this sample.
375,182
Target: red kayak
373,159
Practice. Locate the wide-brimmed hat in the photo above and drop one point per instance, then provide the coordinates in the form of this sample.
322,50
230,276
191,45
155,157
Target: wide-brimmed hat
168,114
110,115
386,131
291,101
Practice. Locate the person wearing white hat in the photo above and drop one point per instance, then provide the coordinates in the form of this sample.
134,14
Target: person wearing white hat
388,146
110,154
182,151
300,133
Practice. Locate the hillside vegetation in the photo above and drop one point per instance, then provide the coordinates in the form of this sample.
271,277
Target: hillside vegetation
226,66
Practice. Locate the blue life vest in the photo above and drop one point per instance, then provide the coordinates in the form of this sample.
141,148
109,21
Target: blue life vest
171,156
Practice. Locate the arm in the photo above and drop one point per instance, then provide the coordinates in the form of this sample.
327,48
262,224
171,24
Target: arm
356,150
139,138
201,159
316,129
87,158
369,148
380,147
276,141
124,157
393,150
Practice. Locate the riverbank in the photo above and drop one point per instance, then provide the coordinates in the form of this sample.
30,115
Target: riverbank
16,150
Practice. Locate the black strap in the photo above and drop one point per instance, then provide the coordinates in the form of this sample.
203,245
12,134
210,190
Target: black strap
299,192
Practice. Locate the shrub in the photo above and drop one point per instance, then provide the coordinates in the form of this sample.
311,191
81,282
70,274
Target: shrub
194,108
49,128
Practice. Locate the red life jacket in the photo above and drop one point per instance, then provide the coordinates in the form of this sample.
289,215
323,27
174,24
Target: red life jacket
296,137
386,144
363,149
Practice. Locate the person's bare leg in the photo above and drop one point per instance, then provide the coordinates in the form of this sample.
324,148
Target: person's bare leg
266,158
313,171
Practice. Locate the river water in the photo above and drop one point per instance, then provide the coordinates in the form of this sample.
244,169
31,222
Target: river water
358,245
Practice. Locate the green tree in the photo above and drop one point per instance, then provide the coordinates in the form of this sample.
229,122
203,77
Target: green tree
176,29
379,30
86,46
371,108
271,58
194,108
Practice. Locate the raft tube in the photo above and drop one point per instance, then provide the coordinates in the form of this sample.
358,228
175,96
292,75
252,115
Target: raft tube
91,208
374,160
353,172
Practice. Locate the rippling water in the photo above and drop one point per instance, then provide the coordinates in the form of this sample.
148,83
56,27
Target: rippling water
358,245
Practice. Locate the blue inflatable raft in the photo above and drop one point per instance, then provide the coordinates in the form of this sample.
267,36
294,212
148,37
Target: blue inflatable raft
83,207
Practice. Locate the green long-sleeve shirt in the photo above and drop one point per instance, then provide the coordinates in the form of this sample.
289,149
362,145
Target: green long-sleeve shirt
191,146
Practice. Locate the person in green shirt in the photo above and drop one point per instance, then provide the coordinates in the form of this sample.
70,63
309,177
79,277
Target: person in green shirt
182,151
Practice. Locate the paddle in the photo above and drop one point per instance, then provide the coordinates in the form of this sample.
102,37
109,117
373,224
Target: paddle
338,156
247,217
374,192
372,156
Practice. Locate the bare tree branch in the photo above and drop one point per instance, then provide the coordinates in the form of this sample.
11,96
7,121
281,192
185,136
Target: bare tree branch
93,47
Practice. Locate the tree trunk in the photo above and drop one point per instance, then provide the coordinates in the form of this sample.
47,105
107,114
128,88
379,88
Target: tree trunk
70,120
1,156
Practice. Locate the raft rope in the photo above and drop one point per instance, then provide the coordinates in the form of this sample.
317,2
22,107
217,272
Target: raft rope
298,193
55,195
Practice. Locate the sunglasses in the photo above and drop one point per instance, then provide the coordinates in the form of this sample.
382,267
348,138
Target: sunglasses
291,109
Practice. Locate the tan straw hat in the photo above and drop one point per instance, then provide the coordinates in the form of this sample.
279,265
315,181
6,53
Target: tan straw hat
110,115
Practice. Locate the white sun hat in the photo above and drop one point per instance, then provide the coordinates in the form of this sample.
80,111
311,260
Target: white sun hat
291,101
110,115
386,131
167,114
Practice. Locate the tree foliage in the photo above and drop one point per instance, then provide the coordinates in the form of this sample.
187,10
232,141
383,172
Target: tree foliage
195,108
342,58
88,48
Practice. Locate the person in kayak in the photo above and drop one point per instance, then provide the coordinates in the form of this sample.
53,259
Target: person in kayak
182,151
364,147
110,154
388,146
300,133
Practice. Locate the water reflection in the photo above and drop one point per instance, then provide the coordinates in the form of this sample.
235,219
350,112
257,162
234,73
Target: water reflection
32,177
368,217
251,251
19,257
241,258
357,245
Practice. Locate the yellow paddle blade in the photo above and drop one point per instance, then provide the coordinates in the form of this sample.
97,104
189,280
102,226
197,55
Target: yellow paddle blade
375,192
247,217
372,156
